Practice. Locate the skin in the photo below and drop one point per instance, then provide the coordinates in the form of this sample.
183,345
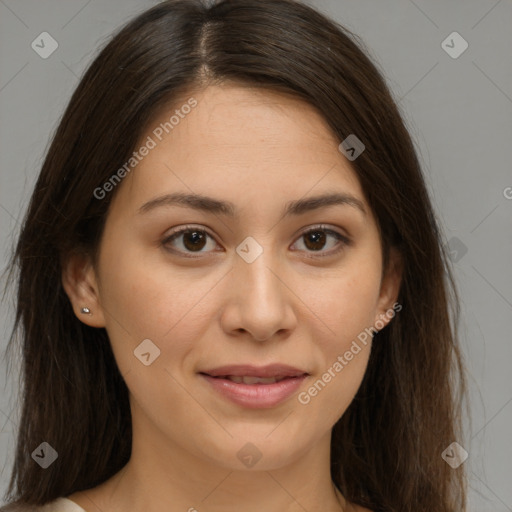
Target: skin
259,150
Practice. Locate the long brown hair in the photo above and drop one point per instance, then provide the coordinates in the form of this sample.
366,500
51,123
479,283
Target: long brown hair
386,448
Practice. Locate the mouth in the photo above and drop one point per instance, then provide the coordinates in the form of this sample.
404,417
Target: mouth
272,371
252,387
248,380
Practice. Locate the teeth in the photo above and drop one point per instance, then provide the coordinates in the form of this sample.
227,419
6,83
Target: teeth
253,380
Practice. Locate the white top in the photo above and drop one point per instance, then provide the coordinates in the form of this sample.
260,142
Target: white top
62,505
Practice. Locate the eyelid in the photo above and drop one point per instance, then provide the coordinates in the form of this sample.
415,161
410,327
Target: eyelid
328,229
188,227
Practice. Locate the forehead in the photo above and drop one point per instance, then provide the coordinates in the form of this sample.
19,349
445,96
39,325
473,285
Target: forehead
233,116
242,144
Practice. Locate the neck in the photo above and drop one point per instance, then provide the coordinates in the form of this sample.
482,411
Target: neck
162,475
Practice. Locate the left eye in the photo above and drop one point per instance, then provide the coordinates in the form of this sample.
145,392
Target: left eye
195,239
316,239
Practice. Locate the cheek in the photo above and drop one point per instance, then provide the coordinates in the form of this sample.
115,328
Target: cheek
338,385
344,304
144,301
344,349
344,310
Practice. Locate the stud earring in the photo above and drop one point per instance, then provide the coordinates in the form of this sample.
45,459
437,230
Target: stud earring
85,311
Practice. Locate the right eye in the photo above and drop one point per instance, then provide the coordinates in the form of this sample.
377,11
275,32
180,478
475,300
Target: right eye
193,240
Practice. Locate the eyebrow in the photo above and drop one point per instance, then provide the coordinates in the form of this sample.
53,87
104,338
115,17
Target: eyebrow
228,209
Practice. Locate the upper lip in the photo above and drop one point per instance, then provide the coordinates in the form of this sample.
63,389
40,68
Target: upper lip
247,370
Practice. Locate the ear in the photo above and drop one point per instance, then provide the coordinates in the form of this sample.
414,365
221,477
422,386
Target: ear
80,283
389,289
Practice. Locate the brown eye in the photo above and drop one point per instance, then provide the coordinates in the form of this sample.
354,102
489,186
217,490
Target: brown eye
192,240
189,240
317,238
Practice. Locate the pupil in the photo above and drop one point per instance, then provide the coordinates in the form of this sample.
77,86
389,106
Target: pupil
318,238
196,238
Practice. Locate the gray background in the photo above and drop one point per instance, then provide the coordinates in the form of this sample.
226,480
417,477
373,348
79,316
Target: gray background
459,111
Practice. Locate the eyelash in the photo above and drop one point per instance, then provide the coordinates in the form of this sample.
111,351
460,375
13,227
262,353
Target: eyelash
345,241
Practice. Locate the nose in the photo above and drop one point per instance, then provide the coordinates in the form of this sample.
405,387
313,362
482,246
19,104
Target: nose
260,301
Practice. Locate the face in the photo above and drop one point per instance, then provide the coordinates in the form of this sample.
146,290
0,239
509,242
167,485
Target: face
269,278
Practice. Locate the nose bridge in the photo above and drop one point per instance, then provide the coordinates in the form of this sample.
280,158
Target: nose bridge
257,267
261,296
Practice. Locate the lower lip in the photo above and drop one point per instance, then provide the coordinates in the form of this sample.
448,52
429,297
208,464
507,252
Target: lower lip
256,396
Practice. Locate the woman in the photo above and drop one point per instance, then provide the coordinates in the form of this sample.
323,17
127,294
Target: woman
232,292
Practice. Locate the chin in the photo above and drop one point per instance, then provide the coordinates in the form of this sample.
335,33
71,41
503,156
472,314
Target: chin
258,449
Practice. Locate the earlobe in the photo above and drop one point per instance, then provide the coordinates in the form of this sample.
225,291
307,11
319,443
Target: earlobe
80,284
390,288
